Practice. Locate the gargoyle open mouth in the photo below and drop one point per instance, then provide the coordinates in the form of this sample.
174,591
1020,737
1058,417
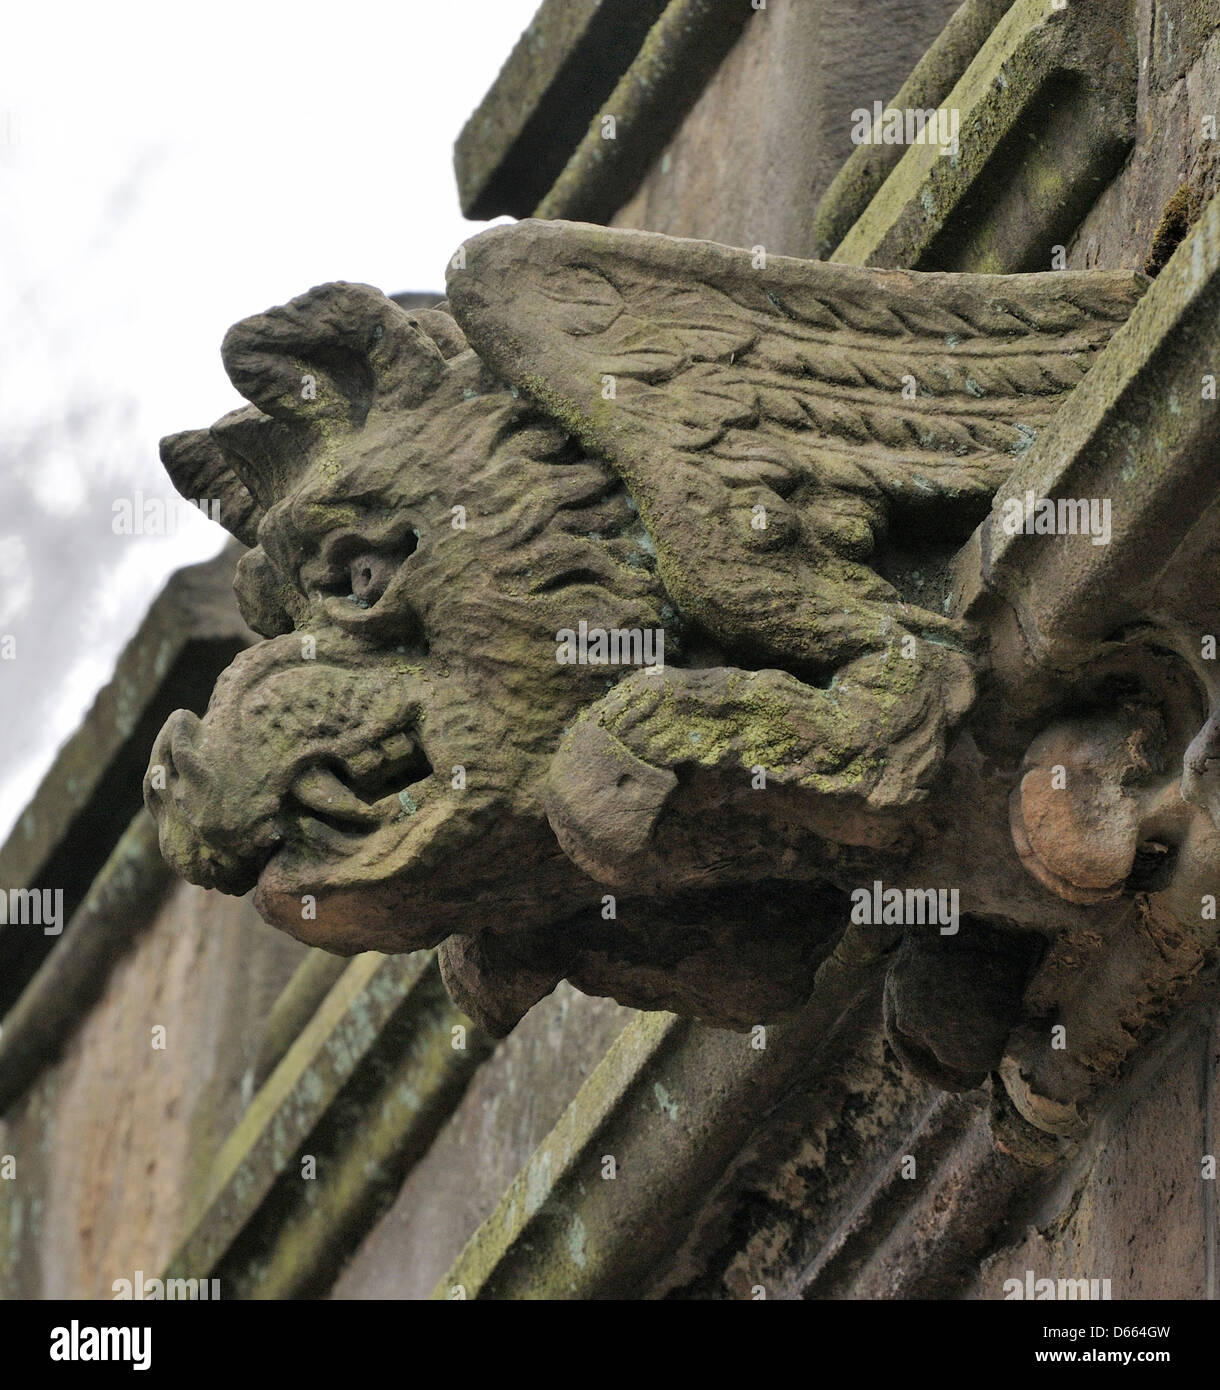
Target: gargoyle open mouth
304,761
358,794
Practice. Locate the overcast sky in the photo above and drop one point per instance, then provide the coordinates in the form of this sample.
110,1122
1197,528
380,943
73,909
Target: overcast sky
164,171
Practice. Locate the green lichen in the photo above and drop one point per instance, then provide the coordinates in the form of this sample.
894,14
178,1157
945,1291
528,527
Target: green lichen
664,1101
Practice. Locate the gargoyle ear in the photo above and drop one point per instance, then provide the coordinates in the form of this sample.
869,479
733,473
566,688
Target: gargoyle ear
267,455
199,470
332,354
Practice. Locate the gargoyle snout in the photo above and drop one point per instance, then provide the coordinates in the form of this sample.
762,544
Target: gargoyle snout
162,775
184,799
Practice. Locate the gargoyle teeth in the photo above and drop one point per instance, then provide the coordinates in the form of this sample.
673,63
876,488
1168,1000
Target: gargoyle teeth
398,746
364,764
380,764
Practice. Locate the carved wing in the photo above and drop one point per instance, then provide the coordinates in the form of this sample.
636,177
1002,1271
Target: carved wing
771,416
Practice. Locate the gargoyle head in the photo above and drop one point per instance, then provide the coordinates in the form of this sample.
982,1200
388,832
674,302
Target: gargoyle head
420,534
376,768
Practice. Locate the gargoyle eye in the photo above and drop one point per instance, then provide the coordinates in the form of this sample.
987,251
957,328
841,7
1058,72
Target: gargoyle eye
371,575
371,571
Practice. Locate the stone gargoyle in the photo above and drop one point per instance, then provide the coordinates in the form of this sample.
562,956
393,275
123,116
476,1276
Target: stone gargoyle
455,515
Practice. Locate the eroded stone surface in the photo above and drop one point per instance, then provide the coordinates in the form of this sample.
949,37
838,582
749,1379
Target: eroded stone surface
649,436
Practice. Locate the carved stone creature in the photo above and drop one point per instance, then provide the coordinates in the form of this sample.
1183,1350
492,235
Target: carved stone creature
638,433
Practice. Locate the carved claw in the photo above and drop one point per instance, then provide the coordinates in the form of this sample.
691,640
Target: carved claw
870,743
1064,1118
492,986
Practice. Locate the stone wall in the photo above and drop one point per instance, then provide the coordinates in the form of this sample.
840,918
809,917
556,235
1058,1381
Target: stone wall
773,126
114,1140
1133,1206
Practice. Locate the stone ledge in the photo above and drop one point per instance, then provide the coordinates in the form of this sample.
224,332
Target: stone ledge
679,57
363,1090
562,68
87,799
1047,111
672,1102
120,903
1142,402
857,183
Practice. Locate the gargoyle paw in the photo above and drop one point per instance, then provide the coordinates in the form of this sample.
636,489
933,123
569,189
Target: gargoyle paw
603,804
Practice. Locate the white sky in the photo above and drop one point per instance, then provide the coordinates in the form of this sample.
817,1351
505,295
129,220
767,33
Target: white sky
164,171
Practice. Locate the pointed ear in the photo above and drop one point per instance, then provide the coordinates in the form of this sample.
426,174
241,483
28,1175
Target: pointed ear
267,455
332,354
200,471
